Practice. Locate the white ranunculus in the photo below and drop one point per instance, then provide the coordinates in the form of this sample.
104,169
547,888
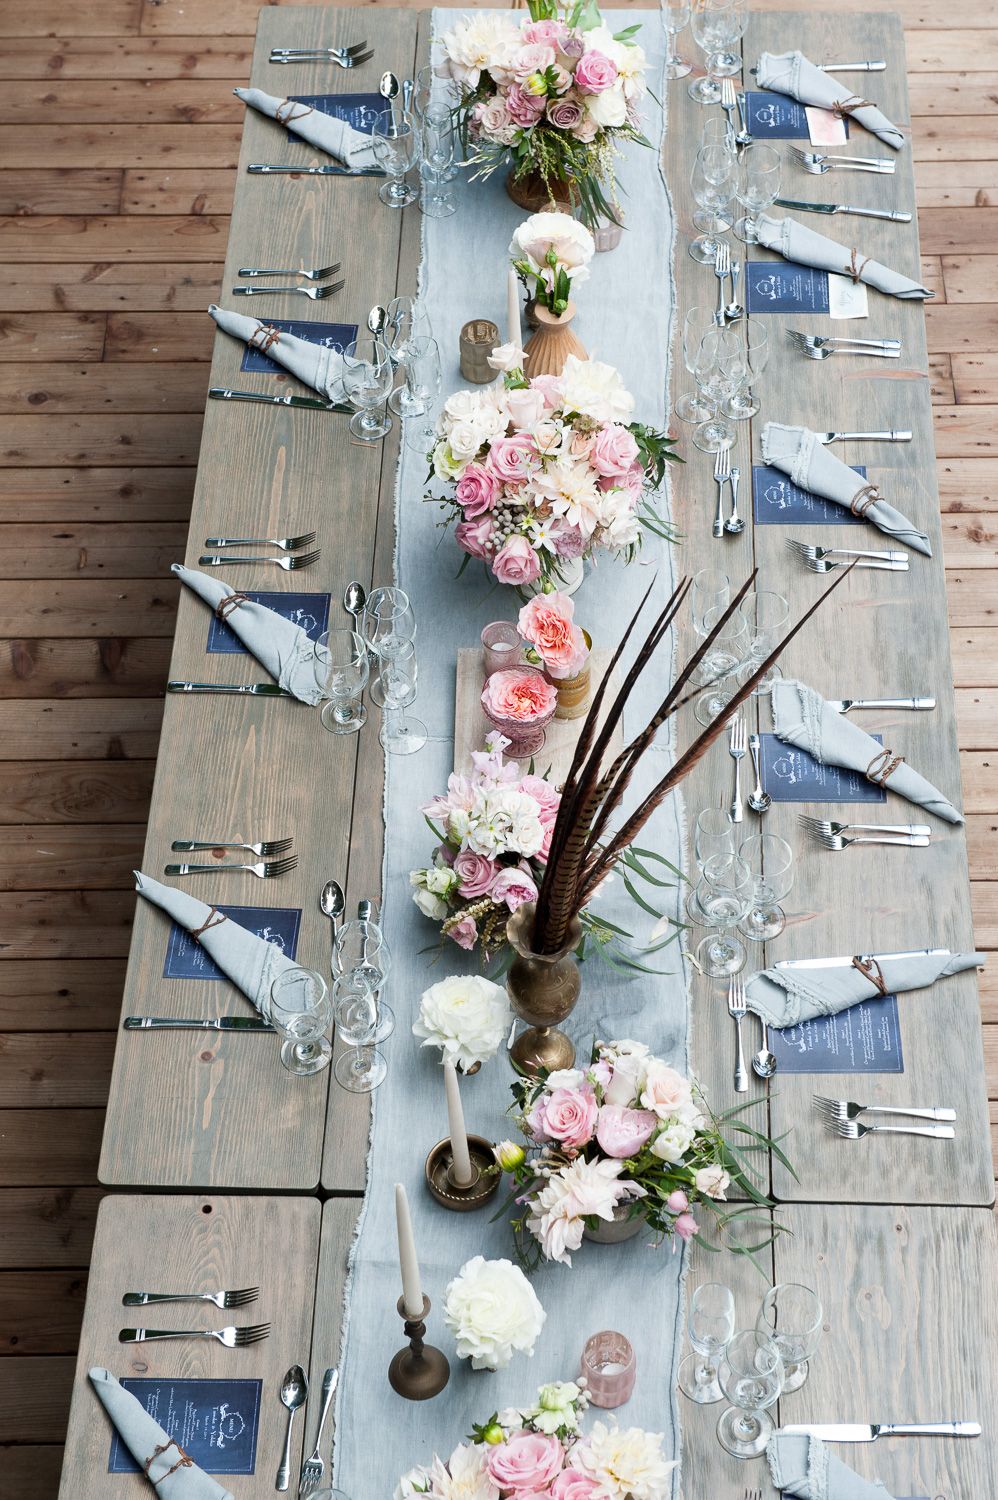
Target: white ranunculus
446,465
711,1181
465,438
571,242
493,1313
609,109
565,1078
467,1017
429,904
441,880
625,1462
465,1476
595,390
673,1142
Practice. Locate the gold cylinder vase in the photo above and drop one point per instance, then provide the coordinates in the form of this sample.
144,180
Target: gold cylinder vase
574,692
543,990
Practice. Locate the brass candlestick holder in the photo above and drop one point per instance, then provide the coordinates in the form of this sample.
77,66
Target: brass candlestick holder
420,1371
439,1172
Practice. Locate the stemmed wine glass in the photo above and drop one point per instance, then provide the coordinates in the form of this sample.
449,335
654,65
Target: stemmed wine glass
711,373
436,162
394,690
743,365
387,622
695,407
758,184
420,360
675,18
395,141
728,650
751,1376
361,948
731,21
714,834
709,1327
355,1009
766,613
771,860
708,33
342,668
300,1009
712,180
791,1316
723,892
368,376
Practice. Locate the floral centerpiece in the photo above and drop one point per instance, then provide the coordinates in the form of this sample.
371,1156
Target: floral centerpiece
626,1138
466,1016
542,473
551,253
540,1451
552,96
547,624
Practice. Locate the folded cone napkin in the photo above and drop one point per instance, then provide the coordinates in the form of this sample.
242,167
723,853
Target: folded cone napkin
785,997
807,247
811,465
249,961
278,644
803,1466
330,134
791,73
164,1463
314,364
801,717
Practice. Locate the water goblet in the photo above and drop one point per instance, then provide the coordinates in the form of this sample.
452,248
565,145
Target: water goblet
387,622
341,672
393,690
757,185
751,1376
695,407
361,948
791,1316
362,1067
421,363
368,375
713,378
744,364
711,590
436,162
709,1327
730,24
395,141
766,613
405,318
712,180
675,18
714,833
723,892
708,33
727,651
771,861
300,1009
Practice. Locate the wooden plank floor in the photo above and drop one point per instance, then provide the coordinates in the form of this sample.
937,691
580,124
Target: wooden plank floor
117,155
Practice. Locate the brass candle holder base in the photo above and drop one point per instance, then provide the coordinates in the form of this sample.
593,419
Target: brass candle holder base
542,1047
420,1371
439,1172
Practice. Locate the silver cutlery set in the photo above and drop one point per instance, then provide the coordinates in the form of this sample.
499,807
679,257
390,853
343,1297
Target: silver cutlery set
272,859
725,472
841,1118
824,559
343,57
814,346
316,293
292,558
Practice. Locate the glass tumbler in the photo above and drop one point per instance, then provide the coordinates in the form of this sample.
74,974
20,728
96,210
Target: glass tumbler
502,646
609,1368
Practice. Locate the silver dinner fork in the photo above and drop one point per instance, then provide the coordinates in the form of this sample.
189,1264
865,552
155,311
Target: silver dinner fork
819,554
737,747
821,340
341,57
839,841
828,565
322,273
232,1338
314,293
286,543
311,1470
817,162
722,474
268,847
289,564
220,1299
826,828
738,1010
262,869
852,1130
845,1109
722,270
824,350
728,105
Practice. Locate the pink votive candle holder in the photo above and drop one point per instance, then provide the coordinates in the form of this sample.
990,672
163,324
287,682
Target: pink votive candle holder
609,1368
501,647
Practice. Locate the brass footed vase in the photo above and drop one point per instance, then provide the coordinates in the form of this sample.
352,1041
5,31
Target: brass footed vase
543,989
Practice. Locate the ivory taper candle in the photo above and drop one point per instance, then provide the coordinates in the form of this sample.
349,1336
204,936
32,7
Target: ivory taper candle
463,1175
412,1290
513,307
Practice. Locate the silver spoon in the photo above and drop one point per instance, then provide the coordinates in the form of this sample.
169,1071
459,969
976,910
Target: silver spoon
759,801
332,903
376,320
734,309
354,599
764,1063
734,525
407,95
294,1393
388,88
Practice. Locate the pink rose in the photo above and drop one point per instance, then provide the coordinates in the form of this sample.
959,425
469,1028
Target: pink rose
587,129
514,885
614,451
535,57
677,1202
525,406
548,33
474,536
523,108
513,459
519,693
547,797
622,1132
546,622
526,1461
464,933
516,563
476,871
549,387
492,118
572,1484
686,1226
595,72
565,1115
477,490
666,1092
582,444
565,113
569,541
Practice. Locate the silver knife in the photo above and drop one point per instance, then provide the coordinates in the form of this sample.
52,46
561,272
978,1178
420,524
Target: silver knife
896,215
877,66
250,689
181,1023
310,403
868,1432
846,963
323,171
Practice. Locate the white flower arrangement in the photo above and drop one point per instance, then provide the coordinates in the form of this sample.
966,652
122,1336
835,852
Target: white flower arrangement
551,254
466,1016
493,1313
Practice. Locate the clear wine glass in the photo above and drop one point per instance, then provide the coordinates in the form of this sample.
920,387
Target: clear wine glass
368,375
675,18
771,861
791,1316
416,398
436,162
723,892
355,1010
394,690
341,672
712,376
361,947
395,141
766,614
728,651
757,185
744,365
300,1009
708,33
406,318
695,407
751,1376
709,1327
711,590
712,180
732,19
387,622
713,834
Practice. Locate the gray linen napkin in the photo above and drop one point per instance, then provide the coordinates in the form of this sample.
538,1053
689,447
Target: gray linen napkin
335,136
249,961
791,73
314,364
813,466
278,644
142,1434
801,717
785,997
807,247
803,1466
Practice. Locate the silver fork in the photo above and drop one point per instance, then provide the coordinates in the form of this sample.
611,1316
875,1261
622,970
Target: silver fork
817,162
826,828
840,841
820,340
737,746
852,1130
314,293
845,1109
323,56
827,565
289,564
263,870
737,1010
312,1468
286,543
722,473
819,554
224,1300
728,105
323,273
232,1338
352,51
268,847
722,270
823,351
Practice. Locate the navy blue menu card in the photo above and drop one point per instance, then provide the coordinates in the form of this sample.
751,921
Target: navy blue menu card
186,959
310,611
777,501
792,775
785,287
866,1038
332,335
777,116
362,111
215,1421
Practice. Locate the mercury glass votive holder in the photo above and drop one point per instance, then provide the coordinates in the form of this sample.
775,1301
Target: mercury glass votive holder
609,1368
501,647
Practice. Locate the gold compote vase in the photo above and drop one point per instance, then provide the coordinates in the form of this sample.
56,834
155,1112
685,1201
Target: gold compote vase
543,990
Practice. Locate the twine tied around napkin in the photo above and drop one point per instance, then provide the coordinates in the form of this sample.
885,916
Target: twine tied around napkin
215,918
882,767
263,337
862,500
843,107
183,1462
871,970
856,264
224,607
285,113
